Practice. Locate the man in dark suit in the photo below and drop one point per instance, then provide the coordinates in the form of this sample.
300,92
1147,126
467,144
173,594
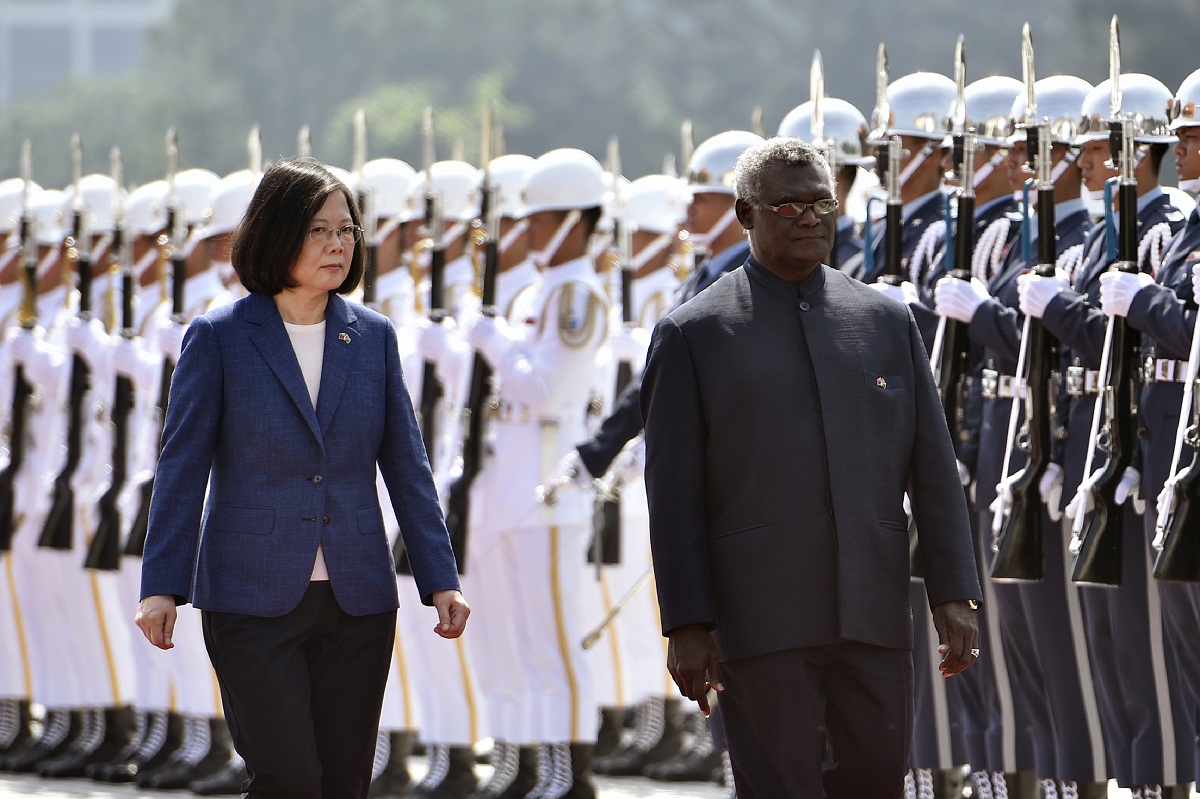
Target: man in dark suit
788,409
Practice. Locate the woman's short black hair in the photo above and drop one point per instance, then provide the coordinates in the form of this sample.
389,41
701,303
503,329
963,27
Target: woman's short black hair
268,241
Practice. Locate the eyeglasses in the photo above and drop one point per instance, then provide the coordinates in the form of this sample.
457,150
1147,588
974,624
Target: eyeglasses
820,207
319,234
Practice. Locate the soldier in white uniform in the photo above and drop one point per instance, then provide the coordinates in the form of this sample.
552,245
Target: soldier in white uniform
543,369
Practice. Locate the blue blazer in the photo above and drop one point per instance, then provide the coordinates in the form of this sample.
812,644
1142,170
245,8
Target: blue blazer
282,478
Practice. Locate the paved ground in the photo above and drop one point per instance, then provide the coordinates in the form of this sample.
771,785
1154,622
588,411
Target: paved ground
13,786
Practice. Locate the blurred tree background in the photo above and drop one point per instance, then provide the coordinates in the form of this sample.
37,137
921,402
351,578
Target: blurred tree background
562,73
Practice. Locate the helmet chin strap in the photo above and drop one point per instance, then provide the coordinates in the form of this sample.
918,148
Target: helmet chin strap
542,257
915,163
148,258
513,234
649,251
715,232
984,171
49,260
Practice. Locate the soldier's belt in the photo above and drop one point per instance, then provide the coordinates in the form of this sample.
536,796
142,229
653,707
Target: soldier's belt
1163,370
1082,381
993,385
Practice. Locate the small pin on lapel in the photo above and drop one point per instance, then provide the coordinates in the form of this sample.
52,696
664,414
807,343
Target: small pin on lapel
345,337
881,382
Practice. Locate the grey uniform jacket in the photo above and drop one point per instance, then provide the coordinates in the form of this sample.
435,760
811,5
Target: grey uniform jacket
733,548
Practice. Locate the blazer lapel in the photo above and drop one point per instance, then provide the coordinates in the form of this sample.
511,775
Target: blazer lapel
341,350
273,343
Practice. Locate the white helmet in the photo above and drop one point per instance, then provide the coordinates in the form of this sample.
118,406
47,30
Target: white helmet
193,187
845,126
389,180
147,208
228,202
1059,98
45,207
1144,98
989,103
710,169
656,204
457,182
563,180
1185,106
98,193
507,173
918,104
11,191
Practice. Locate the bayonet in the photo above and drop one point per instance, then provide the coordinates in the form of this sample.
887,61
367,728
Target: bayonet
304,143
881,117
816,93
687,143
254,151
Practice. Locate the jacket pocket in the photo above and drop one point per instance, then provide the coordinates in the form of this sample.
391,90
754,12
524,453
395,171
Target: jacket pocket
242,520
370,520
888,524
883,382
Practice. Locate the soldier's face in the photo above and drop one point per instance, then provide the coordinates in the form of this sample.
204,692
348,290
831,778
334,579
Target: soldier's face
1187,153
1092,159
1017,166
705,209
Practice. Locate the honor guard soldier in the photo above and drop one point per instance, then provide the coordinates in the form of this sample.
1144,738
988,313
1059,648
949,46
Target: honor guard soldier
918,104
543,365
1141,712
1039,622
1163,309
844,135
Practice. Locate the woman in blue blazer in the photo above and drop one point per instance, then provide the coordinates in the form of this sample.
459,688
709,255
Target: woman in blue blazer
265,512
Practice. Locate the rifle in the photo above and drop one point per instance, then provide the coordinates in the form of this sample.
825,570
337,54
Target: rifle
459,501
431,387
22,388
606,522
1018,541
60,521
104,551
174,241
366,207
1097,544
816,93
1177,531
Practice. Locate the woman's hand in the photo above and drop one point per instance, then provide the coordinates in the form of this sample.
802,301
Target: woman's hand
453,611
156,617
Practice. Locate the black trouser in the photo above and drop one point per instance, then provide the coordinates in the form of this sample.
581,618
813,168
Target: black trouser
302,694
788,712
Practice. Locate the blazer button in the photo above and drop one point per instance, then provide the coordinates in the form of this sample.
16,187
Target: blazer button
317,479
804,306
324,520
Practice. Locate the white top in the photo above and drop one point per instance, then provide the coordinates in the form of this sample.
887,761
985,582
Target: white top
309,343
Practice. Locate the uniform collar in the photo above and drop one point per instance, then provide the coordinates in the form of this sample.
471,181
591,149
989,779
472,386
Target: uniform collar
576,269
914,207
392,283
201,288
660,280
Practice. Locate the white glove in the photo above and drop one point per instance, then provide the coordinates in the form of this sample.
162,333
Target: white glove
1130,488
570,471
490,336
431,338
1050,487
170,340
1035,293
1117,290
960,299
1083,502
1195,281
906,292
125,357
629,344
89,340
964,474
1002,505
1163,504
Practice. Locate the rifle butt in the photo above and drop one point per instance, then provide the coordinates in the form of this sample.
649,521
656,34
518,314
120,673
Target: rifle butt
1100,559
1020,556
56,534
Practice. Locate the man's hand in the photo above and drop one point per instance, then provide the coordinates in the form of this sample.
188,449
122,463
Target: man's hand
692,661
958,632
453,611
156,618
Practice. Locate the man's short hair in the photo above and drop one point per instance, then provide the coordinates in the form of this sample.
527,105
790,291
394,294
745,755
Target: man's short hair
747,175
272,233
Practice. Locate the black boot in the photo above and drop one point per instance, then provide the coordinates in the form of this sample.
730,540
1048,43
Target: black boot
226,781
451,774
1017,784
694,763
207,748
62,728
527,774
608,737
15,725
504,760
109,732
659,737
1086,790
572,772
162,738
395,778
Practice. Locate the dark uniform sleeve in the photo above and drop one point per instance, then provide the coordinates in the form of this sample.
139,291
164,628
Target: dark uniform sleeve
618,429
